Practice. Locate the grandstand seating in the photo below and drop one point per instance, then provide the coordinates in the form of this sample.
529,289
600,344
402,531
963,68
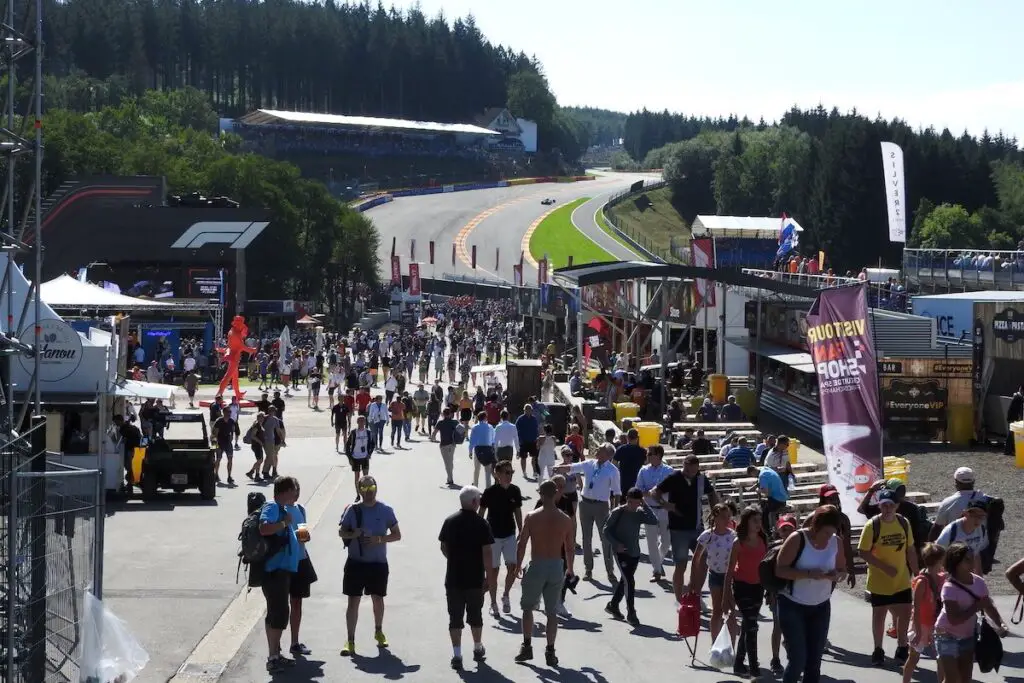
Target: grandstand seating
891,296
965,268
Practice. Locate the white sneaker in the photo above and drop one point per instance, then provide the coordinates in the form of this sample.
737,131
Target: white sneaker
564,612
494,609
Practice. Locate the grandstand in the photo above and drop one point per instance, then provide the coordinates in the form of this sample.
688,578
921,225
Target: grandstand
353,152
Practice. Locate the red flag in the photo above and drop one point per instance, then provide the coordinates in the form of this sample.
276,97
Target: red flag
570,261
497,258
414,279
412,249
431,252
453,254
473,258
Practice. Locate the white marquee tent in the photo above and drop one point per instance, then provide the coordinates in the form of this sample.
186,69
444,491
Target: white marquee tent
67,292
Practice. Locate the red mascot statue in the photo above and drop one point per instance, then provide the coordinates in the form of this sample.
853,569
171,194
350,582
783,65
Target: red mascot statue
233,355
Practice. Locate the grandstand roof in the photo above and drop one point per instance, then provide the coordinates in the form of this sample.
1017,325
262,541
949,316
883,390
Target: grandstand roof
740,226
262,117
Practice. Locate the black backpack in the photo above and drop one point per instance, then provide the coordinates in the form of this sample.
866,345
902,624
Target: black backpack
769,564
359,521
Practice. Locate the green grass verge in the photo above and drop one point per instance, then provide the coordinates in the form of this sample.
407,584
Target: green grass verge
557,237
611,232
657,224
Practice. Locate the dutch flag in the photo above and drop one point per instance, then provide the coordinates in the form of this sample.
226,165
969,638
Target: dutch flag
788,237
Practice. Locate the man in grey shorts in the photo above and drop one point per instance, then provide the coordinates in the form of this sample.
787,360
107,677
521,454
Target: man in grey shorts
550,532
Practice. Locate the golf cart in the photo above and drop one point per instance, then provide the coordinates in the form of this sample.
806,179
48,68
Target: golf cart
183,461
547,201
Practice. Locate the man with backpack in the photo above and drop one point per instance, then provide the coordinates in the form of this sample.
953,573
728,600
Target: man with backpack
911,512
952,507
887,546
359,447
452,433
970,530
274,561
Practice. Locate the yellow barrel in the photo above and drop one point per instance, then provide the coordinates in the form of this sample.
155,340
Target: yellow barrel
960,424
650,433
624,410
137,457
592,373
794,451
1018,443
719,385
896,468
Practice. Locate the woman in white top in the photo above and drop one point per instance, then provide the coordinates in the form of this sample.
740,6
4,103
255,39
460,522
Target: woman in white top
812,560
546,458
714,548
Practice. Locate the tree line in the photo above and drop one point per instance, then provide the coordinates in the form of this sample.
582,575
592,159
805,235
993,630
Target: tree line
824,168
315,247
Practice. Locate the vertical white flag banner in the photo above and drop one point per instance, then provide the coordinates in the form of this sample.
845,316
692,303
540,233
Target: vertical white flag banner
895,191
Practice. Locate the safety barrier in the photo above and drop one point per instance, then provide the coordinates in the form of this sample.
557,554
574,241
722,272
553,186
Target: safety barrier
522,181
444,189
368,204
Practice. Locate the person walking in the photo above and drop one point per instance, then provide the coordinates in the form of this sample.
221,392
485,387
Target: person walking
812,560
506,439
446,431
254,437
377,418
743,589
279,566
305,575
630,458
528,428
359,447
465,538
502,504
481,449
714,548
658,538
397,410
970,530
340,414
368,526
887,546
682,495
546,533
622,531
600,490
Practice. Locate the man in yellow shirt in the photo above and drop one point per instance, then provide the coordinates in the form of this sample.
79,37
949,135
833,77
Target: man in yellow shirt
887,546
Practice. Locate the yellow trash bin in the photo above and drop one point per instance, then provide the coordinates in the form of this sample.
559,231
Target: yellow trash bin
794,451
719,385
896,468
138,455
624,410
650,433
1018,442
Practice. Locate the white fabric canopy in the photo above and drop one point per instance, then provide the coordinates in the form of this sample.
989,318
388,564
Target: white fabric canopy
67,292
134,388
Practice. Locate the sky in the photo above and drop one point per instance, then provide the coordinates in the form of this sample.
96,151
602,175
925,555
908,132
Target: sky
943,63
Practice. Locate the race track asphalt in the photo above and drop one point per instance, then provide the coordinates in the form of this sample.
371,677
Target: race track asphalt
492,220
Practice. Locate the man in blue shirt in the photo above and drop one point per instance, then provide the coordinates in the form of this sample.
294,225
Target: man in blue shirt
772,491
630,457
368,526
739,456
280,565
731,412
481,449
528,428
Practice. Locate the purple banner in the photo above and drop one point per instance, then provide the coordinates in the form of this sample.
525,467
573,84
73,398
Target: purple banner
842,347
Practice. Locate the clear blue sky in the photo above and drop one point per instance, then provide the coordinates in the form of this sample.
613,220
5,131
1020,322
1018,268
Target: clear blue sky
944,63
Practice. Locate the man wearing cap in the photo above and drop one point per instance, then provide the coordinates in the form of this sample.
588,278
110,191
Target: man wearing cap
887,546
952,507
970,530
910,512
731,412
772,492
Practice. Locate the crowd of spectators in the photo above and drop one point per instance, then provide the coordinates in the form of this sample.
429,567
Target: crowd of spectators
969,260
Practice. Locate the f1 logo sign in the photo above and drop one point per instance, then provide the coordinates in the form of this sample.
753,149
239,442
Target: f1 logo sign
239,234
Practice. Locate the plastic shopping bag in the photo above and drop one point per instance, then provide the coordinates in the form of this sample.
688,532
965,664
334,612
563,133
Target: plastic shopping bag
722,655
109,653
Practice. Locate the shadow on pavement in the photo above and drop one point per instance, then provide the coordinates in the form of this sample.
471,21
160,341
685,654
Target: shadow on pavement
647,631
385,664
561,674
165,502
484,673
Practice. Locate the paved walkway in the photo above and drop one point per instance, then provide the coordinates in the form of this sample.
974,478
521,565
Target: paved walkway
170,575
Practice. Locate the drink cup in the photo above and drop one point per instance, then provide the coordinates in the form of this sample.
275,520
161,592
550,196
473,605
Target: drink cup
302,533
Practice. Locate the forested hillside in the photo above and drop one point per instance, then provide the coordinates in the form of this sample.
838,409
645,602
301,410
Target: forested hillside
825,169
289,54
603,127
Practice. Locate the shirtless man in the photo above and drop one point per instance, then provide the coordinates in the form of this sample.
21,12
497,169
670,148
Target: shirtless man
550,530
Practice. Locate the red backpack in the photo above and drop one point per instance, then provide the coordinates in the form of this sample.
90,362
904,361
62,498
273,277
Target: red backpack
689,622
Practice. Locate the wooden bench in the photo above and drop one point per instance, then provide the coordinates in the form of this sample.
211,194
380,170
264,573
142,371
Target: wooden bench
680,426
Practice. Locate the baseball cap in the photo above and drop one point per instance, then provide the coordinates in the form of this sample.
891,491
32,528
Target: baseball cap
784,521
964,475
635,494
894,484
827,491
886,495
978,504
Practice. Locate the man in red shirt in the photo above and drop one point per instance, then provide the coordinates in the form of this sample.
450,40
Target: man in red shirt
493,410
363,400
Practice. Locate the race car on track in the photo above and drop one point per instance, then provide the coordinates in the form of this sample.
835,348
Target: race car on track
548,201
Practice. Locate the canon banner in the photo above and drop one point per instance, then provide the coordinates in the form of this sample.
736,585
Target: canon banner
842,348
895,191
396,269
414,279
